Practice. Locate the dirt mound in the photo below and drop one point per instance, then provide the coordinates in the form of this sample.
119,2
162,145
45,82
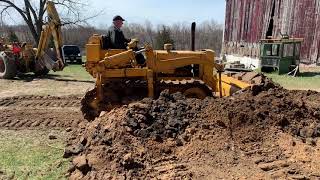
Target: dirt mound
263,133
165,117
20,112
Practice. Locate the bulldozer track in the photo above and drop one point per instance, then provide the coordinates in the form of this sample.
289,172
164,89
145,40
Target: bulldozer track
116,93
20,112
121,92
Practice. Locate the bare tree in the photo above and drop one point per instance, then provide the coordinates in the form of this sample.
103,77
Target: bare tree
33,12
208,34
149,31
77,35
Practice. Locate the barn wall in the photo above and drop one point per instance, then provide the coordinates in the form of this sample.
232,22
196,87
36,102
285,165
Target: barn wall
248,21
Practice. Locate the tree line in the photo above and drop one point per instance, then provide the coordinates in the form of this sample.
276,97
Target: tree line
77,31
208,34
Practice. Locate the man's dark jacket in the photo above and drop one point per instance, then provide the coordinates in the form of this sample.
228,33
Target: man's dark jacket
115,39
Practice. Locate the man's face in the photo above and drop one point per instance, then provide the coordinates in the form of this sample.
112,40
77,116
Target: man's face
118,23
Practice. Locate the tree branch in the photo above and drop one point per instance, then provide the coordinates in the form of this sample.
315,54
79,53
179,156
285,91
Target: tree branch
33,14
79,19
42,9
35,17
4,10
20,11
30,22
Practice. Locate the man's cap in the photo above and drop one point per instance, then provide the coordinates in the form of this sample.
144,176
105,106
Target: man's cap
117,17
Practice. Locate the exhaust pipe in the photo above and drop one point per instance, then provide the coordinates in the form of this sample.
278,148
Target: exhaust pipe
193,34
195,67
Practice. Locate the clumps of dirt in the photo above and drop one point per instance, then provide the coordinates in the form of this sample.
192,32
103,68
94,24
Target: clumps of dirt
165,117
289,110
273,133
258,80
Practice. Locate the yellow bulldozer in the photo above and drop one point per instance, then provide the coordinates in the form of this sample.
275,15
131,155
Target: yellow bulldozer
123,76
23,58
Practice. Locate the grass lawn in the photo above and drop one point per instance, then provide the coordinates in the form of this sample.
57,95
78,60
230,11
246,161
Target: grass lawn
308,79
72,72
29,154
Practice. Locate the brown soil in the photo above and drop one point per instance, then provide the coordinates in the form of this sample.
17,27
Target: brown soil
30,111
262,134
266,133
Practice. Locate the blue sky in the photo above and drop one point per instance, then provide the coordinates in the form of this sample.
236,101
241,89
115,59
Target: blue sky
164,11
138,11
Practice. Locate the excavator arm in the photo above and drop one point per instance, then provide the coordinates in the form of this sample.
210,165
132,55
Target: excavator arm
52,27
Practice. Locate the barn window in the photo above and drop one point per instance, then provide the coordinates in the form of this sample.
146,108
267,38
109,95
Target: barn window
288,50
271,49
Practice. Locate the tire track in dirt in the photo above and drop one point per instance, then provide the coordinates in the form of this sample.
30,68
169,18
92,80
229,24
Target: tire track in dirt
41,112
40,101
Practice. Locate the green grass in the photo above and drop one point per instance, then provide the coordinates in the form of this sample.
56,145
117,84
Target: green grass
73,72
31,155
308,79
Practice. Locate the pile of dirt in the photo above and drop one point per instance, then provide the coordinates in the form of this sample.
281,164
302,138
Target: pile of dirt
165,117
264,133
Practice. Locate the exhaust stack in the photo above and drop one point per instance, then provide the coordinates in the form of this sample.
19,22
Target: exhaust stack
193,33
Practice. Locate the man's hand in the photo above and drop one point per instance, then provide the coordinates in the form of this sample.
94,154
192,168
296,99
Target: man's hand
133,44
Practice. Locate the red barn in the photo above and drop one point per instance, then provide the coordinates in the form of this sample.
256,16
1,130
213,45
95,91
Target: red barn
248,21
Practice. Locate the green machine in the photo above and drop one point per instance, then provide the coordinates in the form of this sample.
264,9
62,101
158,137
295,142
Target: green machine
281,55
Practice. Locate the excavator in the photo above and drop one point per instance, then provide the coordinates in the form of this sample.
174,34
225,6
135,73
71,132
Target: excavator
123,76
16,58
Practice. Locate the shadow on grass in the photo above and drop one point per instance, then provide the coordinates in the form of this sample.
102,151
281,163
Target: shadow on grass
300,74
309,74
56,77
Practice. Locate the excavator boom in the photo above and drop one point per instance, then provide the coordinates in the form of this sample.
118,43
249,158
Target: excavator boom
52,27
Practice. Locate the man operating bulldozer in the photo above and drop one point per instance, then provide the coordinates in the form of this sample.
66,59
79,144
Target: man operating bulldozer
115,38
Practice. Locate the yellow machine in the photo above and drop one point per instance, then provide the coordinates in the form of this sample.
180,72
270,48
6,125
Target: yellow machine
126,75
23,58
53,27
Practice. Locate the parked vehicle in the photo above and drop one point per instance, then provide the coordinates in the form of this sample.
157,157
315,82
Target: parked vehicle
71,54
